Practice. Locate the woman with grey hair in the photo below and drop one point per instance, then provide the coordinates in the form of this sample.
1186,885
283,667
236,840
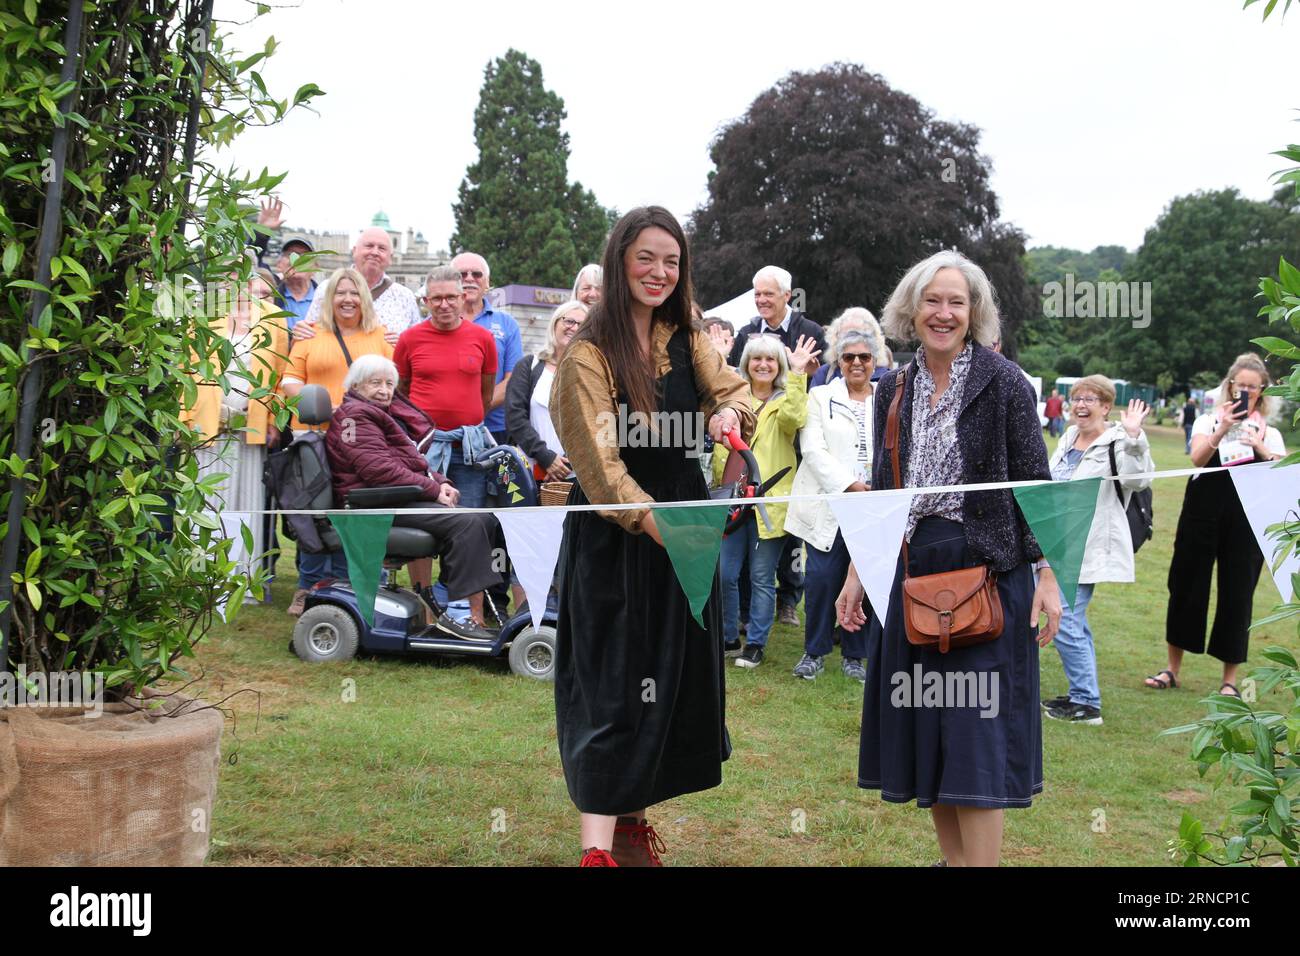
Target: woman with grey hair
963,415
586,286
778,385
528,396
855,318
836,444
378,437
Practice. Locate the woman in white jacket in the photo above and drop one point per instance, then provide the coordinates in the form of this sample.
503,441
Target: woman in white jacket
836,446
1084,451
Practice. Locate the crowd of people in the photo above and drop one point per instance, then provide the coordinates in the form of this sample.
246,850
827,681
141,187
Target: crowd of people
426,385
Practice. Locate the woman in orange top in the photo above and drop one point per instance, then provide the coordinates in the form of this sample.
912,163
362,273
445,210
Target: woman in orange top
347,321
239,428
347,313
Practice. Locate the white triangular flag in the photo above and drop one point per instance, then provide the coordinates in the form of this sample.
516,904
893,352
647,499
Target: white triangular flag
873,527
1267,495
533,539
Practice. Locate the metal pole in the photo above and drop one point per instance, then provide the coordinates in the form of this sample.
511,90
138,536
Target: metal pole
47,243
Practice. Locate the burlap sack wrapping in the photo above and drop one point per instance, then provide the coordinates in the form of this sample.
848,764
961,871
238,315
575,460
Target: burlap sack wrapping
120,789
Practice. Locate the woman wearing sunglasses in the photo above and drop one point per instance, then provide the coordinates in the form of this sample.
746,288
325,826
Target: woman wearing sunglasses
836,446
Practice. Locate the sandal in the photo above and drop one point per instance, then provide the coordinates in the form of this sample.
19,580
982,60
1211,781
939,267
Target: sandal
1163,680
1235,693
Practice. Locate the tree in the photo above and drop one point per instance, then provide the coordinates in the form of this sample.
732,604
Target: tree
1202,259
121,565
847,182
517,208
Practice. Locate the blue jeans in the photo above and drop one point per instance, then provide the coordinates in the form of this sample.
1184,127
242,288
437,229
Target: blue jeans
317,567
763,555
1078,655
472,483
826,573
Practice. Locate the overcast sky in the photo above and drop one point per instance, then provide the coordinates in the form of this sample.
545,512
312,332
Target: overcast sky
1094,114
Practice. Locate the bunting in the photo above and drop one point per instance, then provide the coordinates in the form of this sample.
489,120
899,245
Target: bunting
693,538
1060,516
1268,494
873,527
533,537
365,542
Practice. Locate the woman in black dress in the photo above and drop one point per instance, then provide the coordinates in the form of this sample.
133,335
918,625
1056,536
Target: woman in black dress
639,690
967,416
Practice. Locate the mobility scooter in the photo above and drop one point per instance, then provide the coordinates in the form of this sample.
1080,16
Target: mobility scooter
331,627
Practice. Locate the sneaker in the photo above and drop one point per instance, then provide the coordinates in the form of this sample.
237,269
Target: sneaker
1076,714
731,649
1062,701
636,843
751,656
853,669
789,616
297,605
463,630
809,667
597,857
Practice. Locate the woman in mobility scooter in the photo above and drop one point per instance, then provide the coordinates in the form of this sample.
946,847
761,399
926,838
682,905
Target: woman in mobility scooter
376,439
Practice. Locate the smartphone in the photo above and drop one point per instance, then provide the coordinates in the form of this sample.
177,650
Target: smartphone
1242,404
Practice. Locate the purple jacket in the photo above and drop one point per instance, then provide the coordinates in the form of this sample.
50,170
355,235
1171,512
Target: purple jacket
1000,440
370,446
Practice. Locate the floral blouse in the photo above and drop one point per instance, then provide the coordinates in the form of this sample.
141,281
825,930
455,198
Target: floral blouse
935,457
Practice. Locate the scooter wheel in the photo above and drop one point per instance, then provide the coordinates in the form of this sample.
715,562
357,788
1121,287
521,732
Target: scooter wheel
532,653
325,633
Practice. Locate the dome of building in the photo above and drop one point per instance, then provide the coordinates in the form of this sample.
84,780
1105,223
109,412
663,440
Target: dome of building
380,219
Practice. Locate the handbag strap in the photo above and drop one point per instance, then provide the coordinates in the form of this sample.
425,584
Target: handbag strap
346,354
891,442
1114,470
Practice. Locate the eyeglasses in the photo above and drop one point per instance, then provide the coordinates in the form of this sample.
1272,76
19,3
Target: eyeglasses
570,323
1087,400
437,300
852,358
467,273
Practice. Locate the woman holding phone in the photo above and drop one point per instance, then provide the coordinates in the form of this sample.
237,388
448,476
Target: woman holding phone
1213,527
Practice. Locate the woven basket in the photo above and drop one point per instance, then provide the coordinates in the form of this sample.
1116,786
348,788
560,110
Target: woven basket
555,492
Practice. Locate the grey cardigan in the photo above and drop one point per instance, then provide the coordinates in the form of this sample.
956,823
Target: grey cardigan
1000,440
519,395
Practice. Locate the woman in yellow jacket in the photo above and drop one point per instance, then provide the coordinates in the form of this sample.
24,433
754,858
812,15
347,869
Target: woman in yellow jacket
778,383
239,428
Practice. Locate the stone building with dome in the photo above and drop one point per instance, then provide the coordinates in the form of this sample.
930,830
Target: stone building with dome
412,258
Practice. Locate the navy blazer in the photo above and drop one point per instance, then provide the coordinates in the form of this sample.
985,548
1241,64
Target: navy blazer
1000,440
800,324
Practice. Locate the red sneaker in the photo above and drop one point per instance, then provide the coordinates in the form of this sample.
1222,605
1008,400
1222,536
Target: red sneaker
597,857
636,843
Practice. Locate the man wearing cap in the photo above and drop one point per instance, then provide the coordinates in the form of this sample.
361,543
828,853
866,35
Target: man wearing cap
297,289
395,304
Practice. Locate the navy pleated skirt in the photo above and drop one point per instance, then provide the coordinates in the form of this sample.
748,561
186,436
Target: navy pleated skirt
961,728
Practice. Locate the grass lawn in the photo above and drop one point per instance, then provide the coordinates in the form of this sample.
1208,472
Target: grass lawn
454,761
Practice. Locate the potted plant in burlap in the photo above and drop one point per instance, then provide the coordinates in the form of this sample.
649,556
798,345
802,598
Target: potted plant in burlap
115,226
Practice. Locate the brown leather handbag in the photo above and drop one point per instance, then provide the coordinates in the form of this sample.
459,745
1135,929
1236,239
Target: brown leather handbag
952,608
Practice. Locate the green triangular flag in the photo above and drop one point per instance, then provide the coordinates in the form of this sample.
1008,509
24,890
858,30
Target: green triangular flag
1060,515
365,540
693,538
